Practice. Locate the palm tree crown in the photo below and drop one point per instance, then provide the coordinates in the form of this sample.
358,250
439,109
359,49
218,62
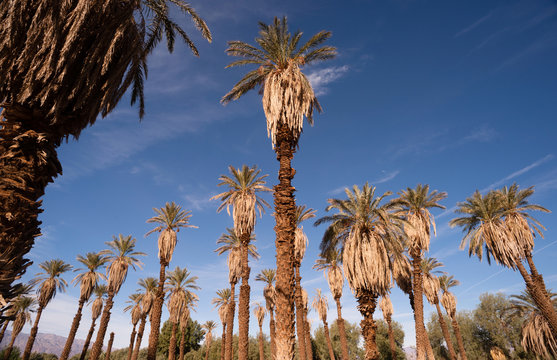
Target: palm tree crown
89,277
148,292
50,279
300,238
268,276
121,255
179,285
320,304
331,263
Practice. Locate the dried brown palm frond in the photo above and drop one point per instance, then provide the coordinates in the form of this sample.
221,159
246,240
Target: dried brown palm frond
88,279
221,302
320,304
268,277
431,287
96,308
300,244
259,312
136,314
121,255
386,306
497,354
209,326
305,299
402,273
180,284
538,338
270,295
331,264
22,307
448,300
176,304
149,288
50,280
184,318
234,266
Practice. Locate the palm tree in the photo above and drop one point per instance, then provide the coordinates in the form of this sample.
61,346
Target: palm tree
109,346
68,70
232,244
136,313
243,186
221,302
88,280
500,223
307,325
537,336
387,308
319,303
369,238
431,291
50,281
448,300
149,287
100,291
331,264
414,205
269,292
209,326
180,284
121,255
287,98
259,312
170,219
184,319
22,307
8,312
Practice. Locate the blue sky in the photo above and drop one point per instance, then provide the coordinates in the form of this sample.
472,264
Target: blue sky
458,95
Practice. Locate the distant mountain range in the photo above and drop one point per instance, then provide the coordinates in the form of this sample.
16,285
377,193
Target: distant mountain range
44,343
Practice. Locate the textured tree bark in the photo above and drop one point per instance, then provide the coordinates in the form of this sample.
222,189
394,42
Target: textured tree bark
328,337
10,347
307,330
261,353
428,348
135,353
341,330
132,341
223,343
367,302
4,327
182,345
461,350
73,330
392,344
109,347
32,335
272,335
300,323
88,340
285,209
446,332
230,323
105,318
156,316
207,352
418,307
172,343
28,162
243,306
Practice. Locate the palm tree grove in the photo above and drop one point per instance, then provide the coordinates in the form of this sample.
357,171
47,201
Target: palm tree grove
386,191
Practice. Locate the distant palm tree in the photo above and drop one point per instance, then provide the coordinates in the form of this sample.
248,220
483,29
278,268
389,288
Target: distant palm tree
319,303
67,72
368,235
209,326
231,243
431,291
269,292
287,98
307,334
180,284
100,291
243,185
184,319
50,281
121,255
136,313
170,219
537,336
22,307
222,302
387,308
331,264
8,312
109,346
259,312
149,287
88,280
448,300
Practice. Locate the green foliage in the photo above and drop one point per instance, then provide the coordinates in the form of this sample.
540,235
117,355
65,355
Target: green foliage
42,356
15,355
382,339
216,347
194,335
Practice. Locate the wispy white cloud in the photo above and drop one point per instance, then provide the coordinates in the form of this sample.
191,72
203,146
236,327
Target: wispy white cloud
533,48
474,25
387,176
517,173
319,79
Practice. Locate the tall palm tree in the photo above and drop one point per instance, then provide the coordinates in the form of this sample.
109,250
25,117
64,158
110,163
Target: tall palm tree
448,300
68,70
330,263
50,281
184,320
368,235
8,312
269,292
231,243
22,307
149,287
431,291
109,346
180,284
387,308
136,313
300,245
414,205
319,303
259,312
121,255
88,279
100,291
537,336
287,98
500,223
170,219
221,302
243,186
209,326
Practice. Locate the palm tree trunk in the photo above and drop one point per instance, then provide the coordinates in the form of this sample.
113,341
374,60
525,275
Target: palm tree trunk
367,302
156,315
105,318
300,324
329,344
27,164
418,307
132,341
307,334
172,344
537,277
391,338
183,345
32,335
428,348
342,331
73,330
285,210
8,351
261,353
446,332
272,334
223,342
207,352
135,353
461,350
4,330
243,306
109,347
88,340
230,323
